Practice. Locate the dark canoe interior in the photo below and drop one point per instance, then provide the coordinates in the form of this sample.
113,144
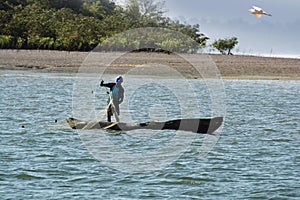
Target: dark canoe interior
205,125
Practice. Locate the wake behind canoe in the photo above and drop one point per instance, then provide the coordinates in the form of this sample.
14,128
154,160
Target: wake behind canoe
204,125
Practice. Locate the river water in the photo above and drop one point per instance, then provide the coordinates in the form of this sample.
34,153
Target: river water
256,156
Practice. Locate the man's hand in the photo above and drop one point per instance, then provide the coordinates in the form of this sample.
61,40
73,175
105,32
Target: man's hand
101,84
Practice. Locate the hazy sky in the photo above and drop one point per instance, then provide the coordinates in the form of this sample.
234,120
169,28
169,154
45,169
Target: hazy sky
278,34
274,35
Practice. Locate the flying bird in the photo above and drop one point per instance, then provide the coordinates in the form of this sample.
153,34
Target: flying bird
258,12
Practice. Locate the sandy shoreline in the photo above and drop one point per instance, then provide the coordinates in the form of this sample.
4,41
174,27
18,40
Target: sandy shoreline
230,67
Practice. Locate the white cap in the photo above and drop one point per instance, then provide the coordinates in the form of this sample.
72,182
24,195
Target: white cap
119,79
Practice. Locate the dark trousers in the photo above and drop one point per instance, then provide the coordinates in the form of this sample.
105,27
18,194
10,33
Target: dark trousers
110,111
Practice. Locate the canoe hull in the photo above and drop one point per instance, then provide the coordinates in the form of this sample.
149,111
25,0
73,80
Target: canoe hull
205,125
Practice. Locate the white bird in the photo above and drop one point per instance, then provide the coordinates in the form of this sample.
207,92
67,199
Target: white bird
258,12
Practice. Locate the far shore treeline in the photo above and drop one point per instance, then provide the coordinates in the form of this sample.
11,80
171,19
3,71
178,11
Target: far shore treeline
80,25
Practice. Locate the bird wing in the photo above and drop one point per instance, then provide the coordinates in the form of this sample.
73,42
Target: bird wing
250,10
256,8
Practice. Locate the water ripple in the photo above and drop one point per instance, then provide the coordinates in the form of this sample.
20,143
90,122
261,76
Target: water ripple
257,156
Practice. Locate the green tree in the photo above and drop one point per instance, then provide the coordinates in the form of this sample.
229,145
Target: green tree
82,24
115,23
145,12
5,41
17,27
98,8
225,45
192,31
74,5
9,4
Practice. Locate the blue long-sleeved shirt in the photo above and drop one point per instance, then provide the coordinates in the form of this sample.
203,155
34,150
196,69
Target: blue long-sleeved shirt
117,98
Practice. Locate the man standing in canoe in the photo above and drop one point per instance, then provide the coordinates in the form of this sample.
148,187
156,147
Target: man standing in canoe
116,96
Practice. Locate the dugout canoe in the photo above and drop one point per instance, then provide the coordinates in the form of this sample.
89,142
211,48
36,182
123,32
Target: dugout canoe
204,125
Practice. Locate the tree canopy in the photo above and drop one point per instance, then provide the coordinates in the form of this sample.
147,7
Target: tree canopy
225,45
83,24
